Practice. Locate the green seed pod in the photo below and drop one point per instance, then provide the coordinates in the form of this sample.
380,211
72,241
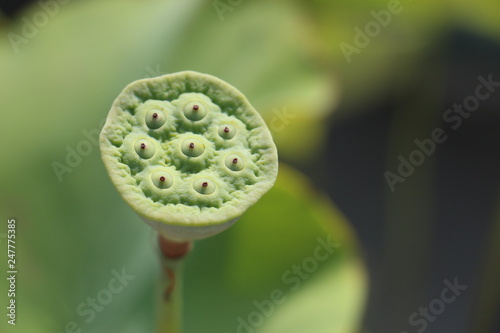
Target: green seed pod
188,153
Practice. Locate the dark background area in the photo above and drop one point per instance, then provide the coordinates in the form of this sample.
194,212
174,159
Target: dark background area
464,194
11,8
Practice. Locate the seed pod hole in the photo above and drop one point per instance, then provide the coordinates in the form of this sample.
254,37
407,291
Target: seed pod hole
192,147
145,148
234,162
204,186
194,110
162,179
155,118
227,131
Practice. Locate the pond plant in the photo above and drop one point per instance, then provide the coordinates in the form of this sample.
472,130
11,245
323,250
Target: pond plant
189,154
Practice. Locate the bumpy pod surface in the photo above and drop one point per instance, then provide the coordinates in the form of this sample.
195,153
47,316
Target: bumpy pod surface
188,153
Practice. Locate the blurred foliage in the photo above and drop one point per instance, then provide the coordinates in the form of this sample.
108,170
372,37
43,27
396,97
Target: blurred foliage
265,58
279,232
393,56
73,229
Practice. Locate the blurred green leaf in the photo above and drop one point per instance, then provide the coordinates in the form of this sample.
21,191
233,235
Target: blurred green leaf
333,303
228,273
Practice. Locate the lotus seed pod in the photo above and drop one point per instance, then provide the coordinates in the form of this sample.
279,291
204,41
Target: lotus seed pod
188,153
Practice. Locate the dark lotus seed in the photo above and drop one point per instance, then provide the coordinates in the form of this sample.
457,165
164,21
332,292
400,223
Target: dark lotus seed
192,147
195,110
155,118
162,179
227,131
204,186
234,162
145,148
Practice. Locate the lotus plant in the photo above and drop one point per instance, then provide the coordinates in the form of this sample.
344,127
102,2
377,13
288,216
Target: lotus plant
189,154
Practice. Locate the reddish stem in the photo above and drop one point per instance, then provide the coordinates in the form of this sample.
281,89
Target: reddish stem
172,250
